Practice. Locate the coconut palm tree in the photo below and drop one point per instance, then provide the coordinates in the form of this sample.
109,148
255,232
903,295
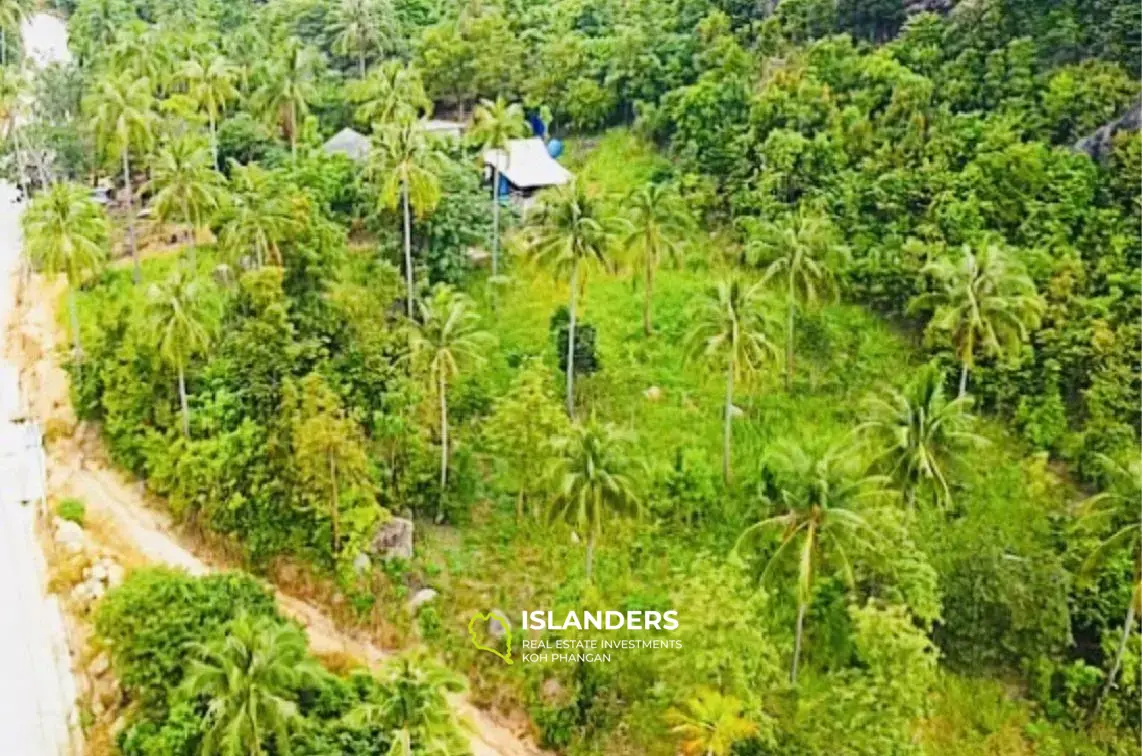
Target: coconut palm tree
391,92
710,724
445,339
985,301
178,321
404,161
257,214
138,50
363,28
12,16
413,704
1117,509
496,124
801,253
589,480
94,24
183,185
249,681
916,434
731,330
569,231
211,82
289,85
65,231
13,86
818,499
123,117
659,222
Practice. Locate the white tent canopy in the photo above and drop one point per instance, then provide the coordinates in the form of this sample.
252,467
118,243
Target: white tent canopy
348,142
527,165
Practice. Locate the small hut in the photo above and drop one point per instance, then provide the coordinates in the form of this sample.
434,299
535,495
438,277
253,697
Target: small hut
353,144
526,166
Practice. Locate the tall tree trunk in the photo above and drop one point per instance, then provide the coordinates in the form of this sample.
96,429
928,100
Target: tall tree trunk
591,537
571,341
189,237
182,401
361,61
138,272
727,423
214,140
789,338
335,509
407,245
293,131
1126,630
3,47
443,433
965,363
495,220
73,311
648,295
801,605
963,380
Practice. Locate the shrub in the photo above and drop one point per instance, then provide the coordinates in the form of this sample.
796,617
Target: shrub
72,510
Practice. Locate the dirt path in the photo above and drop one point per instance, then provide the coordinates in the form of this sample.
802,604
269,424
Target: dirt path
77,466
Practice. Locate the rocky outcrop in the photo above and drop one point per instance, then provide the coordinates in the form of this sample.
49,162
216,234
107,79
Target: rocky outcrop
1099,143
394,539
928,6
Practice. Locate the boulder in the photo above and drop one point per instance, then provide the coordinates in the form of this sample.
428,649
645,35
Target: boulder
551,690
69,535
361,563
497,629
653,394
99,665
394,539
1098,144
420,598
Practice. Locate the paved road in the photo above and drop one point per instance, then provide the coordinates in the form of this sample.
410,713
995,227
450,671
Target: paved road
37,690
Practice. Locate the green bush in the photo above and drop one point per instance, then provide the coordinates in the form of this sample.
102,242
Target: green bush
72,510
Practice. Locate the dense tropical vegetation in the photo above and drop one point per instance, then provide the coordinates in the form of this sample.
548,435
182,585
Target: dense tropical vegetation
832,345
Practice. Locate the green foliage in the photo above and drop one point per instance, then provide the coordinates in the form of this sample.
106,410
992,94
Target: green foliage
72,510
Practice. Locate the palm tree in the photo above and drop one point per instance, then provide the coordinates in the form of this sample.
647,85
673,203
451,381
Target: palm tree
589,480
496,124
710,724
413,704
257,214
404,161
249,681
390,93
211,83
184,186
288,88
986,300
917,433
800,252
731,328
12,88
12,16
177,320
658,222
819,497
362,28
446,338
65,231
1118,509
569,230
122,113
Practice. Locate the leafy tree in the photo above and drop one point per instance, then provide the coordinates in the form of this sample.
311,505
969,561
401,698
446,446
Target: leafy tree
916,434
405,161
123,117
800,251
332,464
522,422
711,724
658,222
249,681
820,497
65,231
390,93
1117,508
183,186
986,302
443,341
12,16
94,25
179,323
289,86
495,124
363,28
257,214
732,328
570,230
590,481
211,83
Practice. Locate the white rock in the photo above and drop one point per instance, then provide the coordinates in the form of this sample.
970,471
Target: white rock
496,628
99,665
115,574
420,598
361,563
394,539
